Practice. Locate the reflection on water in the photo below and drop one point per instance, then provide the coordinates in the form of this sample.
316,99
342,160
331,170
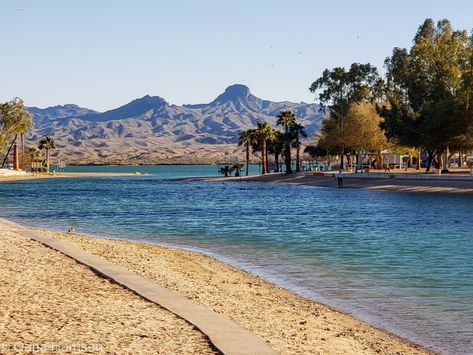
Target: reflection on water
401,261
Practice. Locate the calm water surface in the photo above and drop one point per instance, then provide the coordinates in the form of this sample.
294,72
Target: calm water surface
400,261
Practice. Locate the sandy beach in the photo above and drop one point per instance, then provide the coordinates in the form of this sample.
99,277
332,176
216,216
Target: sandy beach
30,176
50,302
385,183
70,301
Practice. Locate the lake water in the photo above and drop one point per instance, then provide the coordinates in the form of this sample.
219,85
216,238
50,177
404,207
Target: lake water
403,262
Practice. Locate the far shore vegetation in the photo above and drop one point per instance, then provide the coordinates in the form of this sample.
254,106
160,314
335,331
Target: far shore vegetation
421,108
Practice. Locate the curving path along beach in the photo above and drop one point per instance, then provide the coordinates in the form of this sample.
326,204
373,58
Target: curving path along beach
286,322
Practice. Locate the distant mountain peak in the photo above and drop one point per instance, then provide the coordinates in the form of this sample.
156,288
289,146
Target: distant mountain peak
237,90
234,93
150,100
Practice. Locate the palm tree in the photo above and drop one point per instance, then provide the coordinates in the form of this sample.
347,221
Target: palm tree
264,134
33,153
276,147
247,138
287,119
297,131
47,144
226,171
236,168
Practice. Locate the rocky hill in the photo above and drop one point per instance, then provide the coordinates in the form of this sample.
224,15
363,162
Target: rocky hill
150,130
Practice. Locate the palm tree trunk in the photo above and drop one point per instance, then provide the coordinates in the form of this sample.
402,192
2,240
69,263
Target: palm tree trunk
22,136
8,151
267,160
47,160
276,162
247,157
298,152
288,159
263,158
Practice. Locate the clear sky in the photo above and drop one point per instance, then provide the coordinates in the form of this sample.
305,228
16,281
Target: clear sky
103,53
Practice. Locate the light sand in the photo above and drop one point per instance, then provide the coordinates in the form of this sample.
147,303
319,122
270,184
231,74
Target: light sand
288,323
400,185
30,176
49,302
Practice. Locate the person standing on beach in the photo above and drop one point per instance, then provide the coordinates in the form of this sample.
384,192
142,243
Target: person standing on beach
340,179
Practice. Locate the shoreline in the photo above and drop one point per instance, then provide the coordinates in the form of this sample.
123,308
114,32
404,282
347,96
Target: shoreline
381,341
417,183
30,176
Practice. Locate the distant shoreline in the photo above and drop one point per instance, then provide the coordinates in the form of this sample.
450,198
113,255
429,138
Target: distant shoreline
30,176
418,183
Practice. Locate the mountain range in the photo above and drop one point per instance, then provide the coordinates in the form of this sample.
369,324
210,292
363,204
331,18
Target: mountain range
149,130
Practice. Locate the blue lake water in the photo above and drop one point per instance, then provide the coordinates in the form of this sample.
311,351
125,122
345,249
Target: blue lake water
403,262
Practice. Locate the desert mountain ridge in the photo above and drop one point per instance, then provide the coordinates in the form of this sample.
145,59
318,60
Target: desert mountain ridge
149,130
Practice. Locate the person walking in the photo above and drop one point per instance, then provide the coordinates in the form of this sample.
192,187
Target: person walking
340,179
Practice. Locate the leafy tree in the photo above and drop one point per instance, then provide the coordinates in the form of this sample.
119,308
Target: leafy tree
14,121
47,144
338,88
320,151
316,152
286,119
429,89
365,135
247,139
297,131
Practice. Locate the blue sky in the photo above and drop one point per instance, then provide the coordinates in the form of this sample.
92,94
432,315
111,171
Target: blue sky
102,53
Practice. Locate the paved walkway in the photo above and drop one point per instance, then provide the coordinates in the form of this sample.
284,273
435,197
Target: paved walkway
225,335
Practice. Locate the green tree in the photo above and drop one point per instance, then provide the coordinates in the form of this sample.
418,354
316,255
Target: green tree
225,170
47,144
297,131
286,119
33,154
264,134
429,89
364,131
338,88
14,121
247,139
320,150
316,153
276,147
236,168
